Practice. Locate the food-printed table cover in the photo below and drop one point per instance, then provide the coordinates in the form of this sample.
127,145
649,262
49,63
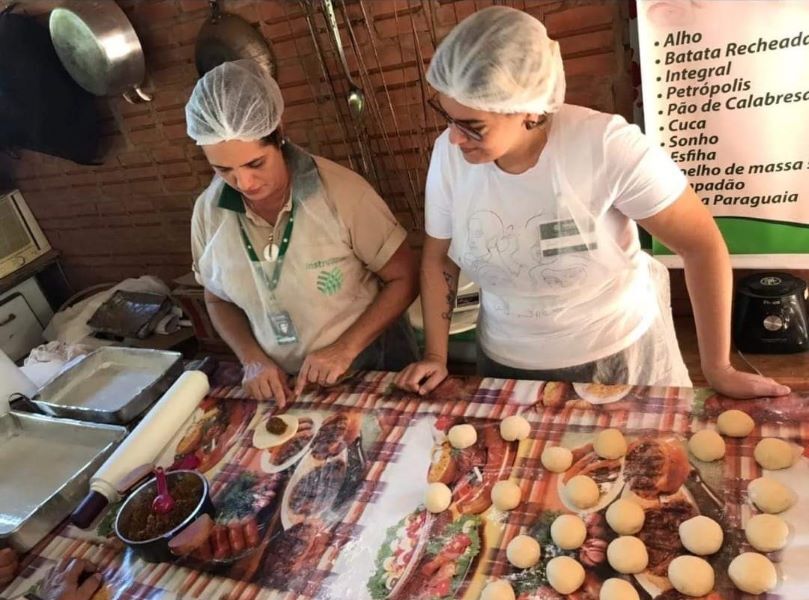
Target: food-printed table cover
337,511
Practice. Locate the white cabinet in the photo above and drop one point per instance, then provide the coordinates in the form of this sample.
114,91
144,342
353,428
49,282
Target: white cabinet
24,313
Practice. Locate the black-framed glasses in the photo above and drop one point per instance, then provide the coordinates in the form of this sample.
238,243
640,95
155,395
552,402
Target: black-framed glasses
468,131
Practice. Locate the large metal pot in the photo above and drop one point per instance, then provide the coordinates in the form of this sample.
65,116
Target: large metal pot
99,48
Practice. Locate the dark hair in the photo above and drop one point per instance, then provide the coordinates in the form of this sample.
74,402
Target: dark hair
274,138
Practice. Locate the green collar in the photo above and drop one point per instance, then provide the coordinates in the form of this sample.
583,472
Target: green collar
230,199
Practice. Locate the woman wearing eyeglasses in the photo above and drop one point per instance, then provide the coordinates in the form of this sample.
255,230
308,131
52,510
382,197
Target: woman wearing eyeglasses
538,201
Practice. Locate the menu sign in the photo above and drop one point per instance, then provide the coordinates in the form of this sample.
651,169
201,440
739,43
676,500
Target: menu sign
726,94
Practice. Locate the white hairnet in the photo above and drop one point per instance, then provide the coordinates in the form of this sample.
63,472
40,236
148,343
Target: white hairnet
237,100
500,60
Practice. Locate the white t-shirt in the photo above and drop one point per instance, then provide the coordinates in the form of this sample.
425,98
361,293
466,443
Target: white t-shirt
555,249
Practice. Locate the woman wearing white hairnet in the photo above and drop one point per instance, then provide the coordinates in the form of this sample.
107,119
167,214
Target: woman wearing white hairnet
537,201
305,269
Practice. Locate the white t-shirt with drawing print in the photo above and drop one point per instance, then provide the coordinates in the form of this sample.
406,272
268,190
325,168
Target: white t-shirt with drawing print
555,249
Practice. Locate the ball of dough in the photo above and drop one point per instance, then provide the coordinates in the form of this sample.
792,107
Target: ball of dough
774,454
498,590
627,554
557,459
767,533
735,423
701,535
691,576
438,497
707,445
568,532
514,427
523,552
625,517
769,495
753,573
582,491
506,495
462,436
617,589
565,574
610,444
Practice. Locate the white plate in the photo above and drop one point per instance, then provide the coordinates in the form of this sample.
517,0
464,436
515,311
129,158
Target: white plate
269,467
583,391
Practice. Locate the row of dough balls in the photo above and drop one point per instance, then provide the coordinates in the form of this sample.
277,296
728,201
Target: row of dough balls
513,428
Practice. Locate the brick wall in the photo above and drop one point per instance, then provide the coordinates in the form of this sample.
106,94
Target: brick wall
131,215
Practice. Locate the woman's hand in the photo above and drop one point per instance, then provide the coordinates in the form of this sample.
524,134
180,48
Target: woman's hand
422,377
63,581
726,380
265,380
8,565
325,366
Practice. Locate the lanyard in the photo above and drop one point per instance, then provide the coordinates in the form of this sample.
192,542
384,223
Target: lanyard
272,282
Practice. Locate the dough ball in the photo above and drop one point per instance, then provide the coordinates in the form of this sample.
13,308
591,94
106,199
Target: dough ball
498,590
627,554
514,427
753,573
701,535
617,589
767,533
582,491
691,576
568,532
625,517
438,497
462,436
769,495
557,459
707,445
523,552
774,454
506,495
565,574
735,423
610,444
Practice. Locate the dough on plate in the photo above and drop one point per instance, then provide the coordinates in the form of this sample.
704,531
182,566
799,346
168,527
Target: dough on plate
462,436
774,454
557,459
565,574
506,495
770,496
735,423
617,589
263,439
438,497
707,445
523,552
582,491
568,532
610,444
625,517
691,575
701,535
514,428
627,554
498,590
767,533
753,573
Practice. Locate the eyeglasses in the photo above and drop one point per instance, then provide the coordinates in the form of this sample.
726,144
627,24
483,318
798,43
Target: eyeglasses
470,132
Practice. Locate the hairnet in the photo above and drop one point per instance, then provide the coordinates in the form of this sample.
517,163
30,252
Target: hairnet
500,60
237,100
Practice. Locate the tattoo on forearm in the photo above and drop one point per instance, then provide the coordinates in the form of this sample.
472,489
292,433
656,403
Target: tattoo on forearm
452,290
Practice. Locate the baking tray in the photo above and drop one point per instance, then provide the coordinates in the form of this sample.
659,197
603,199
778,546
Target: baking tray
110,385
46,465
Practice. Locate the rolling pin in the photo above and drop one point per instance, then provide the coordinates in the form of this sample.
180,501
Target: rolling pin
144,445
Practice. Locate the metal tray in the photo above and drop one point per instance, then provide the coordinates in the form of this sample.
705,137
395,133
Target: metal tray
46,465
110,385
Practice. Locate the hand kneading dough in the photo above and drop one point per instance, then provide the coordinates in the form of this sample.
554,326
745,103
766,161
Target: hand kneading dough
625,517
498,590
617,589
753,573
557,459
438,497
701,535
735,423
506,495
691,576
769,495
767,533
514,427
568,532
582,491
565,574
774,454
707,445
462,436
610,444
627,554
523,552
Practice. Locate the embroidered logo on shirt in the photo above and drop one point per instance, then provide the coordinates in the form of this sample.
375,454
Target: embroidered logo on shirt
330,282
